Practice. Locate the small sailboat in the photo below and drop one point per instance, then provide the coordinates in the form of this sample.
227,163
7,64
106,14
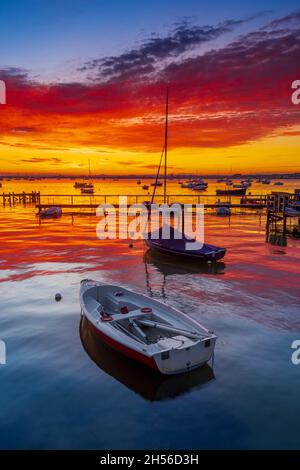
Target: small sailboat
88,187
178,246
177,243
146,330
51,213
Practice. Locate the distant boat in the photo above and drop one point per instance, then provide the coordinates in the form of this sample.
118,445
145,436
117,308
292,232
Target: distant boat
243,184
279,183
138,182
293,210
157,183
78,185
231,192
146,330
145,186
51,213
265,181
223,211
85,185
87,190
200,186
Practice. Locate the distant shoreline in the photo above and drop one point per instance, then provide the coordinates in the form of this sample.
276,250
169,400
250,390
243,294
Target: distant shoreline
151,176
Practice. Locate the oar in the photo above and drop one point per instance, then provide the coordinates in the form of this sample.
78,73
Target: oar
161,326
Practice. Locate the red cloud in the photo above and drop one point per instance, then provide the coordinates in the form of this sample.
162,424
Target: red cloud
224,97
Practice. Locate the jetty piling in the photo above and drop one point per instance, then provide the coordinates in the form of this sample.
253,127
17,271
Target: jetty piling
278,215
24,198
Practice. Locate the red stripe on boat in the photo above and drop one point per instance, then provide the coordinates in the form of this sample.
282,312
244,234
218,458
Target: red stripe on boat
148,361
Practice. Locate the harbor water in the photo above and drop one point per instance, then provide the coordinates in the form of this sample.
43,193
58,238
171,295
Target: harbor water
62,389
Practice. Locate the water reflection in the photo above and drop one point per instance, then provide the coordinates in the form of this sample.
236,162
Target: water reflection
149,384
277,238
168,265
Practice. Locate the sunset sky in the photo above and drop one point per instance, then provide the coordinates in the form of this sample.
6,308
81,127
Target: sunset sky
86,80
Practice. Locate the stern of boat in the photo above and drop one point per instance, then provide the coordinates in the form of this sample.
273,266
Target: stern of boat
185,357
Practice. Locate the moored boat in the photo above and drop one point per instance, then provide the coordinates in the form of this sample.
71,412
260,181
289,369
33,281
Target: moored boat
177,245
51,213
79,185
231,192
293,210
223,211
145,329
87,190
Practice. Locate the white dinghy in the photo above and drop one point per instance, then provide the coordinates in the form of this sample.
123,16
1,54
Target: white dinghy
144,329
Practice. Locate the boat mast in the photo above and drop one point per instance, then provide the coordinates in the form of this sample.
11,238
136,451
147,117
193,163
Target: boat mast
166,146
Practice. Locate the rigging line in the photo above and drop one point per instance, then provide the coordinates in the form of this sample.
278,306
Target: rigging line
166,146
157,175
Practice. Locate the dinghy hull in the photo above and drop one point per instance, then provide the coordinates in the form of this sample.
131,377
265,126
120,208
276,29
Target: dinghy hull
131,353
174,343
167,366
214,254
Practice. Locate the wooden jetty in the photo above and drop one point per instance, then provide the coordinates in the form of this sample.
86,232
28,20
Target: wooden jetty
278,203
81,203
12,198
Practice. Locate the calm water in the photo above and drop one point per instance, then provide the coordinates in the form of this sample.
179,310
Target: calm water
61,389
